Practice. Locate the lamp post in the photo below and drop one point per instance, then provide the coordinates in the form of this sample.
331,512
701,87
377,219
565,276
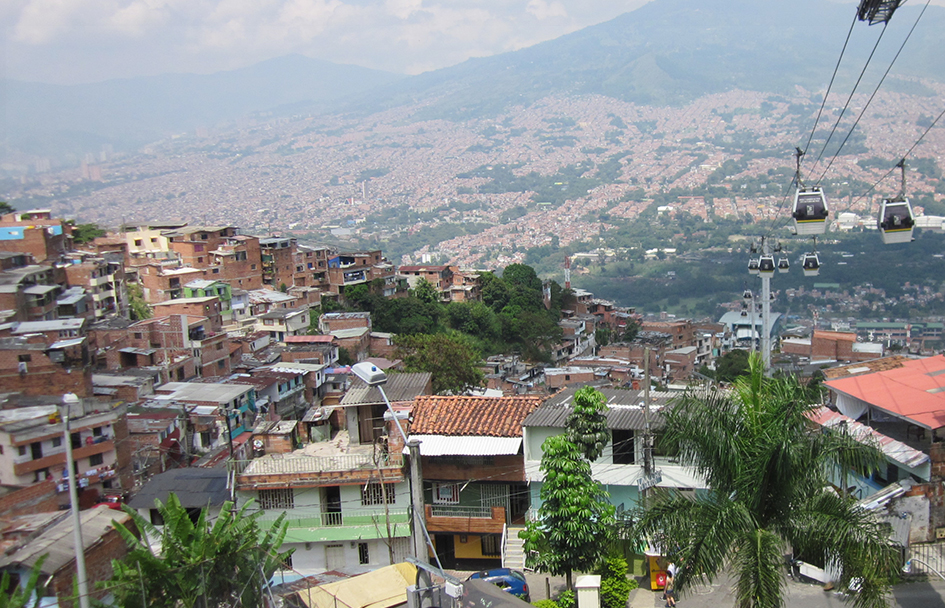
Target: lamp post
82,579
373,376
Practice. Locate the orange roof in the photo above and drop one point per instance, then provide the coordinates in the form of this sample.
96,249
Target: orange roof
915,390
486,416
835,335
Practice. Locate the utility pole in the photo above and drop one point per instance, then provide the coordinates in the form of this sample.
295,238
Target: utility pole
82,578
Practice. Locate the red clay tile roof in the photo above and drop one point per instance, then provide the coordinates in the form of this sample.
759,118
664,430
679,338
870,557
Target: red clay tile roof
487,416
915,390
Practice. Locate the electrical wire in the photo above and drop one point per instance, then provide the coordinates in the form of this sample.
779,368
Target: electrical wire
875,91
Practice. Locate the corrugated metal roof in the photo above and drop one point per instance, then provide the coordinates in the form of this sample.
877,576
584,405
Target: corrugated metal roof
57,540
468,445
896,450
195,487
399,387
625,409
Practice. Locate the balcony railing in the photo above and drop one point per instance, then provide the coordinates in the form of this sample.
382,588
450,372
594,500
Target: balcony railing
456,511
352,517
268,465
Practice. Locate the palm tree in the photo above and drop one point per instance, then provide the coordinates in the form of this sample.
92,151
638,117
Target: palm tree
766,466
199,563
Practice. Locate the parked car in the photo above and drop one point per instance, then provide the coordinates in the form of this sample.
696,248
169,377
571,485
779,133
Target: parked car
506,579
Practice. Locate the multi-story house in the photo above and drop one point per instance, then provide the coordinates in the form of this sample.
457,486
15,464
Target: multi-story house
35,233
441,277
348,269
35,365
620,467
102,279
30,292
199,306
165,281
473,471
346,503
231,406
201,288
283,322
364,408
33,449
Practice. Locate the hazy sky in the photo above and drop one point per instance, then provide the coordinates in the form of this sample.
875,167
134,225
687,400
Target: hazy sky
70,41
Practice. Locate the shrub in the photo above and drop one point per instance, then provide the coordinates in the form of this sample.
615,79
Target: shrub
614,586
566,599
545,604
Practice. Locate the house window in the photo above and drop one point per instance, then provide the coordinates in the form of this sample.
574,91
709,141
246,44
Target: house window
97,431
364,556
56,442
24,358
623,446
137,242
156,519
138,335
491,544
373,494
21,450
446,493
277,499
96,459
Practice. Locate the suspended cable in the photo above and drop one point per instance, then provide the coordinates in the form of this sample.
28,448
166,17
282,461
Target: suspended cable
830,85
875,91
904,156
853,92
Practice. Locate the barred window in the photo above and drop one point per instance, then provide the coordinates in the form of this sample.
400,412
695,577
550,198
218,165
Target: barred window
491,544
277,499
373,494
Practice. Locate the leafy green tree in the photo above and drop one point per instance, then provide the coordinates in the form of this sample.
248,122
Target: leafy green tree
495,292
138,308
587,422
575,518
425,292
201,563
84,233
521,275
21,596
451,358
5,208
406,316
630,331
344,357
731,365
602,336
767,469
474,318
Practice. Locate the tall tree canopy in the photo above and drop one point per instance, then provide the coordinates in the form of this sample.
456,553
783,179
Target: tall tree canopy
575,519
217,564
450,357
767,472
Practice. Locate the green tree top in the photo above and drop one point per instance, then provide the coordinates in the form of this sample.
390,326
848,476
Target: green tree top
587,422
451,359
5,208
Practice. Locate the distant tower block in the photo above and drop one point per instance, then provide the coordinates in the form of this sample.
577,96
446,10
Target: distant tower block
364,191
567,272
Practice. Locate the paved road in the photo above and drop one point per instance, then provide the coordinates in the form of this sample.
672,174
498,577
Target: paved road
799,595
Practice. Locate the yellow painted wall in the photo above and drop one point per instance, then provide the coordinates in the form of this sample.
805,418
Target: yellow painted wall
471,549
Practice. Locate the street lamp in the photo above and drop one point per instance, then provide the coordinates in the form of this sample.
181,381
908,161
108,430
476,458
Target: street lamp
81,577
374,376
907,568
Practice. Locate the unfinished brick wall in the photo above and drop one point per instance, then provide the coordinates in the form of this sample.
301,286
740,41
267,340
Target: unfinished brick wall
39,497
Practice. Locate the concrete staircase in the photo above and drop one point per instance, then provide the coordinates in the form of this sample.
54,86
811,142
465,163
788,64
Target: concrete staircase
513,553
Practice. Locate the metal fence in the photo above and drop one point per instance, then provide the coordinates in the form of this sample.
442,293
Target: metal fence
932,554
454,511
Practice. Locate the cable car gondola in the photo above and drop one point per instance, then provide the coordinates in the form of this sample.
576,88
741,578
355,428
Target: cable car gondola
896,221
766,265
783,265
811,264
753,266
810,211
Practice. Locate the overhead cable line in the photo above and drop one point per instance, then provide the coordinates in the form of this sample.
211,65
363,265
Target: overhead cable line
830,85
853,92
875,91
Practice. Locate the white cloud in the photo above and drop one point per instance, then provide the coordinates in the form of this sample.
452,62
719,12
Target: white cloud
545,10
82,40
